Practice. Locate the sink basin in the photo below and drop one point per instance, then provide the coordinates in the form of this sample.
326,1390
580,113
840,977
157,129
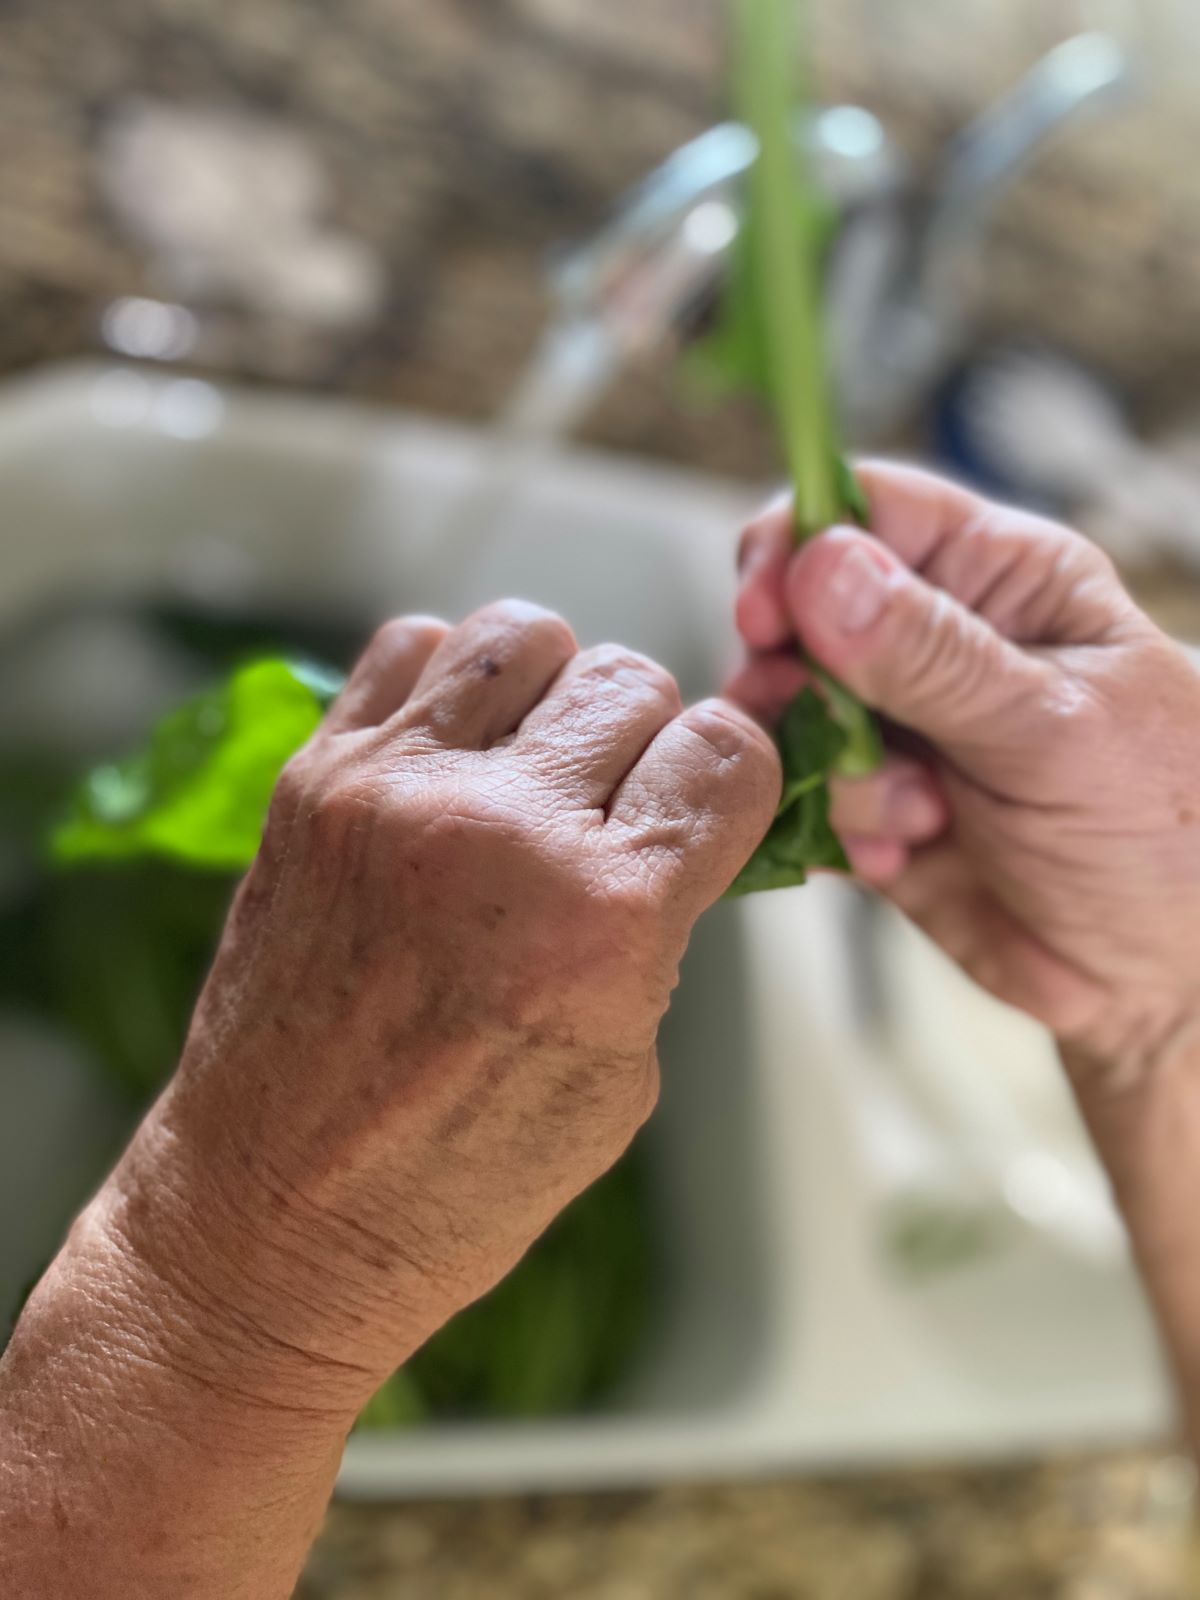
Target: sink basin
787,1336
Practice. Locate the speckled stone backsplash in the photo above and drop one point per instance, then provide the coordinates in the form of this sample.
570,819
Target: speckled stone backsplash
463,138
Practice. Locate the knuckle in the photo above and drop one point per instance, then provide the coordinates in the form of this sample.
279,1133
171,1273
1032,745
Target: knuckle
630,669
1093,560
1077,562
528,624
1070,718
932,659
737,745
299,775
341,806
294,778
399,634
948,661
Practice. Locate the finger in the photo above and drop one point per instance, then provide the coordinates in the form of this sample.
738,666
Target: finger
908,649
765,685
915,512
596,719
878,862
488,674
912,511
1034,580
766,546
700,799
386,672
900,801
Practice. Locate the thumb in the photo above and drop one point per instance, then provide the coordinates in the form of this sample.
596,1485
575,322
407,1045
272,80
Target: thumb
908,649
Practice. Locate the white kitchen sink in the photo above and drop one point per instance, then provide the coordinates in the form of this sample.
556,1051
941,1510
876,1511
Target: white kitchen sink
790,1336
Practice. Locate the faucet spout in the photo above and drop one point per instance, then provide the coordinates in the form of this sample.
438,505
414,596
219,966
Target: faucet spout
900,297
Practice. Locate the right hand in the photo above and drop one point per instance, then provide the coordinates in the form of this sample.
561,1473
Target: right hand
432,1018
1044,825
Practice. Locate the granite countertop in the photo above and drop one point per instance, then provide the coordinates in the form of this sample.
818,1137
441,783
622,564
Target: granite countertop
462,139
1112,1528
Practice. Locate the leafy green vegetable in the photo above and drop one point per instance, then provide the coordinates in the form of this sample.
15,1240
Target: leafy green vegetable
811,745
199,791
770,338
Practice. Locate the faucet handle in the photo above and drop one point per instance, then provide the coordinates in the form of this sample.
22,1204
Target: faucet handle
923,318
1083,73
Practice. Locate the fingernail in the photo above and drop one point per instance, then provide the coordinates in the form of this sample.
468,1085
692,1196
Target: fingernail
857,591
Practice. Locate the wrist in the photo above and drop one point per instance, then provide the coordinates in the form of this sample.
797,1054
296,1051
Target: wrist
141,1277
1143,1113
1139,1095
153,1443
216,1300
271,1251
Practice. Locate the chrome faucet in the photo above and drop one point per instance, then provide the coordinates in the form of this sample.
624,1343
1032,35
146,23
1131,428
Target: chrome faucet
902,268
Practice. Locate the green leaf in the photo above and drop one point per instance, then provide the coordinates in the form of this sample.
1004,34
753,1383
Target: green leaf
811,744
198,792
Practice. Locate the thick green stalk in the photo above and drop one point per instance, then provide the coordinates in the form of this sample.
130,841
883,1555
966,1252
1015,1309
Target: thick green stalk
787,260
784,251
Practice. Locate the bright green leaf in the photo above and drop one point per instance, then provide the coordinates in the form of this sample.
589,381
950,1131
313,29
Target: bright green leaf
199,790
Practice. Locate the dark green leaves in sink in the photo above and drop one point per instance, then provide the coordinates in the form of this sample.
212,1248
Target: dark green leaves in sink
198,791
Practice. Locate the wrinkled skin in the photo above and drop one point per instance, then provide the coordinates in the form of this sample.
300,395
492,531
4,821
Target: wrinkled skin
432,1019
431,1023
1044,826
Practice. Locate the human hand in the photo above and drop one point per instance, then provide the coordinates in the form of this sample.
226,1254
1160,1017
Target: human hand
432,1018
1040,819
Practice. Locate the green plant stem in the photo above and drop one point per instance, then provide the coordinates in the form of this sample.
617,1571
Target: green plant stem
788,260
778,324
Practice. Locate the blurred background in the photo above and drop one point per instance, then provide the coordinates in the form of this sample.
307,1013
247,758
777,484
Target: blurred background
309,314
